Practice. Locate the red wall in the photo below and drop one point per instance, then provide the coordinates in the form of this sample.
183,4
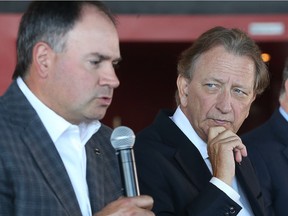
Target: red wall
150,46
8,32
141,28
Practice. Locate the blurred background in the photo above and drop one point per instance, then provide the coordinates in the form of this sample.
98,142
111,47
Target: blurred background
153,34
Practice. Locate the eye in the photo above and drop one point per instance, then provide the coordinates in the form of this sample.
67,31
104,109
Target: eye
116,65
211,85
94,62
239,92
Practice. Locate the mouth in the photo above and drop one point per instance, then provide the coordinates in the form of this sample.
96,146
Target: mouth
221,122
105,101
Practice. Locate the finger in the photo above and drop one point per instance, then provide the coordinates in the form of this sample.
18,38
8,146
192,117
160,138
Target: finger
143,201
239,152
237,156
214,131
236,144
139,205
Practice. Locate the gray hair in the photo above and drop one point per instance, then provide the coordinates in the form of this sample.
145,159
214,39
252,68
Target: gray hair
234,41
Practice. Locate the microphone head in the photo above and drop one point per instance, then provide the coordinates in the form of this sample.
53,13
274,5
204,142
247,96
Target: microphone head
122,137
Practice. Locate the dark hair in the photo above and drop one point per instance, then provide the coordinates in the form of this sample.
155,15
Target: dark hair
234,41
49,21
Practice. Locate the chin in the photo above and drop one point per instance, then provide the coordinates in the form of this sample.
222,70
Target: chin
100,116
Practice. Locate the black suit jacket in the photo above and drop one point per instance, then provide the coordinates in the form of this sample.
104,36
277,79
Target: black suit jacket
172,171
33,179
268,150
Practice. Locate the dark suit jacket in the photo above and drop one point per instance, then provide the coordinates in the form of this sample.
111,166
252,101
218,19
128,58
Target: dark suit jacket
172,171
33,179
268,150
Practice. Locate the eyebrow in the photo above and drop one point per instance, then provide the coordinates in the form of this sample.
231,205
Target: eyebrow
209,79
105,57
223,81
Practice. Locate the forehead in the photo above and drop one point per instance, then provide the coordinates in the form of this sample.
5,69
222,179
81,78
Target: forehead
93,19
218,62
94,32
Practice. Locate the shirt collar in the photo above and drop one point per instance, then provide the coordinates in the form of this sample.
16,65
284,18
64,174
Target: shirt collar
283,113
55,124
184,125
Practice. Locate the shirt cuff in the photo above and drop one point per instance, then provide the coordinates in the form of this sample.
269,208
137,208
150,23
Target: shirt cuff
228,190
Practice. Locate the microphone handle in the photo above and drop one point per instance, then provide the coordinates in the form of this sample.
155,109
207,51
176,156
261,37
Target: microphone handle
128,172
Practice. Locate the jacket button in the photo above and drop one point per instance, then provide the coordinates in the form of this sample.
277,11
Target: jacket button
232,210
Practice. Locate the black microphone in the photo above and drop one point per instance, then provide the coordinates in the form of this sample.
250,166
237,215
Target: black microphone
122,139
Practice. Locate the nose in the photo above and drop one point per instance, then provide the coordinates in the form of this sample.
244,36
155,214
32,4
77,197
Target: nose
109,77
224,101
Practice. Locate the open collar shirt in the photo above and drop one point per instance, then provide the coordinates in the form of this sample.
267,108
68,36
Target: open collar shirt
70,143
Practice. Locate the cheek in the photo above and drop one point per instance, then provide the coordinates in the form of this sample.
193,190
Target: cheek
206,103
70,87
75,80
241,112
64,74
71,81
199,106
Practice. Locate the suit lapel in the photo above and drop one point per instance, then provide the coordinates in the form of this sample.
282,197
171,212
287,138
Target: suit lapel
24,119
47,158
285,152
103,177
249,182
280,127
186,154
94,179
192,163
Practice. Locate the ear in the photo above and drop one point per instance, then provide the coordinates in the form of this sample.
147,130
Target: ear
182,85
42,54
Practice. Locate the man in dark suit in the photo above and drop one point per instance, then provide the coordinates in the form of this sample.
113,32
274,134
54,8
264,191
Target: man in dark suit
191,161
56,158
268,150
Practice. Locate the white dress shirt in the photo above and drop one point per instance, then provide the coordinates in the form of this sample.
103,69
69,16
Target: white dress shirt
235,192
283,113
70,142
